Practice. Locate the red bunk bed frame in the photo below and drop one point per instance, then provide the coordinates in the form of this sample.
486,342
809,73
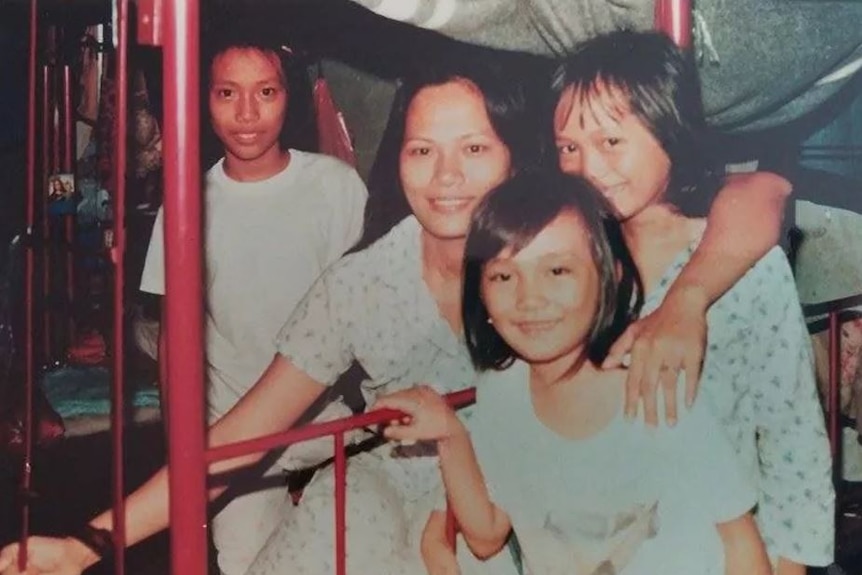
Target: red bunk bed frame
173,25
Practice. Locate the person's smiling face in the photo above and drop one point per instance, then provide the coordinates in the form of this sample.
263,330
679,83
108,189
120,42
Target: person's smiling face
248,103
543,299
599,138
450,157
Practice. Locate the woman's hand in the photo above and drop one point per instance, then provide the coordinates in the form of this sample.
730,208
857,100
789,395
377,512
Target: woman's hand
48,556
669,340
427,415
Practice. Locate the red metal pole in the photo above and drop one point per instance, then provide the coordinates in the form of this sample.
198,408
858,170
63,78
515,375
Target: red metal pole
833,401
47,169
68,134
340,499
117,251
673,17
183,288
28,288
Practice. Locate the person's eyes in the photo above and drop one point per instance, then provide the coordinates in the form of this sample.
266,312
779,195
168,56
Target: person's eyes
611,142
224,93
566,149
560,270
269,92
475,149
419,151
499,277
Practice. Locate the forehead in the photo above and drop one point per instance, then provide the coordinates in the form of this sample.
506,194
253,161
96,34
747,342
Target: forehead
446,109
591,106
246,65
565,234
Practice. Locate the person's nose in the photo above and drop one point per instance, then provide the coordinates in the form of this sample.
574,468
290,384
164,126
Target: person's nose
529,294
247,109
448,170
594,166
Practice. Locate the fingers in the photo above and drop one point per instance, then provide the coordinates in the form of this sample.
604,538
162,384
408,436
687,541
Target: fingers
669,377
692,363
635,389
621,348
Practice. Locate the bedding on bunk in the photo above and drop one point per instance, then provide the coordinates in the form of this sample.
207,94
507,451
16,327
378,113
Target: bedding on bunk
82,397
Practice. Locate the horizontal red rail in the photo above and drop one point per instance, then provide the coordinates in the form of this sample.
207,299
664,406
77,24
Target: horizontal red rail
315,430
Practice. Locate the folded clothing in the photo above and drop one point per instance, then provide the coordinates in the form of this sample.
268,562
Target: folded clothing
84,391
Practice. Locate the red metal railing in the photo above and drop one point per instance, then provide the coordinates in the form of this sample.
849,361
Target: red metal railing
174,24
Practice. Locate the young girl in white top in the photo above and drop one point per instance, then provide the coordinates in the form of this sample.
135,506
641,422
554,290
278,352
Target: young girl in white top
548,286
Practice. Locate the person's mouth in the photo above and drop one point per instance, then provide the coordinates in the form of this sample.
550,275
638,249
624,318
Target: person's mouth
536,327
450,204
245,137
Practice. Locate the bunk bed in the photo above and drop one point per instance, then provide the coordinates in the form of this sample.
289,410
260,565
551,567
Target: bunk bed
170,27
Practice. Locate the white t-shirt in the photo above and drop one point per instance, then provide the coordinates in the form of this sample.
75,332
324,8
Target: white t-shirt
645,500
266,243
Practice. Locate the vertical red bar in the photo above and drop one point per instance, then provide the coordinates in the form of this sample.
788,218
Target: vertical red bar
673,17
117,251
47,169
68,136
340,507
28,285
833,402
183,288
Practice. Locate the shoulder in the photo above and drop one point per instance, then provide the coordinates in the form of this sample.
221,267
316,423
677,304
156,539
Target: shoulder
323,165
497,387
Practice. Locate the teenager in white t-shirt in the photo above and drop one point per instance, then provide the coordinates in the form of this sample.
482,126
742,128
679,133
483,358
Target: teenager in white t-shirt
275,218
549,458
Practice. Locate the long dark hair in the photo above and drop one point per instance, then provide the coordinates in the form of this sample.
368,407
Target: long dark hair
510,217
647,74
507,103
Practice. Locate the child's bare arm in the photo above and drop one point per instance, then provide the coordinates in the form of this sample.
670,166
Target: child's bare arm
744,552
439,557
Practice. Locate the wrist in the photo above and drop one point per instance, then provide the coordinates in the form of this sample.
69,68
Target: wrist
81,554
89,544
692,298
456,433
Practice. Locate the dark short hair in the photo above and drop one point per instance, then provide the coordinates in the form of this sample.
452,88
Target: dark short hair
515,213
507,103
659,84
246,32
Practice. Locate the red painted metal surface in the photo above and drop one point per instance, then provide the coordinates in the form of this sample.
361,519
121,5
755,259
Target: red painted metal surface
28,287
68,166
47,169
336,428
340,505
183,288
674,18
833,402
150,22
117,253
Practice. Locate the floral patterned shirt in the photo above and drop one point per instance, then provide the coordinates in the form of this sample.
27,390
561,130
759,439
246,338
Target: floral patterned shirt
758,377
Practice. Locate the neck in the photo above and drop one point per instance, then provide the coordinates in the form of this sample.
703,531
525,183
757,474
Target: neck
443,258
260,169
554,372
654,225
654,237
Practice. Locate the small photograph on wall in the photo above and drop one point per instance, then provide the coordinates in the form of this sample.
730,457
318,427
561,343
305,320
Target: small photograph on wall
61,194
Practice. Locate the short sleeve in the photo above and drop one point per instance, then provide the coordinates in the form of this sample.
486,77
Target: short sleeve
347,200
153,274
796,512
317,337
706,471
